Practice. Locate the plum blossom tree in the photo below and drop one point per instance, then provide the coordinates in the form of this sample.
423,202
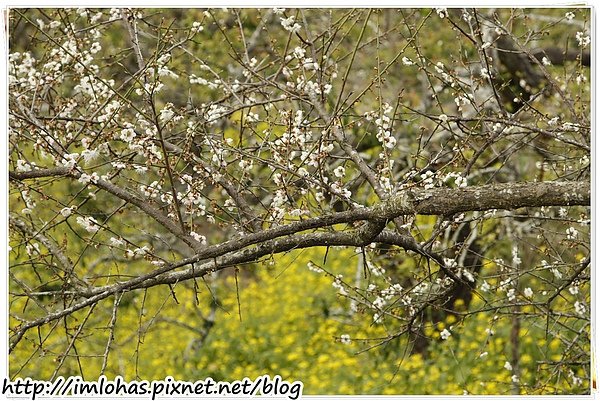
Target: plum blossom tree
449,147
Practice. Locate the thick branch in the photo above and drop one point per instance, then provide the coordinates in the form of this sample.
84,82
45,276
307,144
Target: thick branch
446,201
442,201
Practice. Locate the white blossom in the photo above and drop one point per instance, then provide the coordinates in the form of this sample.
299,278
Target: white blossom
468,275
516,259
88,223
314,268
69,160
166,113
442,12
67,211
198,237
289,24
582,39
572,233
339,285
445,334
197,27
116,241
339,172
22,166
580,308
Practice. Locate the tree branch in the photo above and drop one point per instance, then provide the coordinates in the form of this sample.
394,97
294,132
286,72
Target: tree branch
438,201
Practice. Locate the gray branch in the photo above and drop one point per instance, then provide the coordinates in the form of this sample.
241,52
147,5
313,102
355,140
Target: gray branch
438,201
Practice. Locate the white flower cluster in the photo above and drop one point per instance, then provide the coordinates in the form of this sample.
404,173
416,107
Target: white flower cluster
197,80
383,123
214,113
429,179
163,70
375,270
459,180
23,166
22,71
441,69
445,334
345,339
462,100
192,198
442,12
290,24
87,178
90,155
339,172
379,302
32,248
166,113
572,233
197,27
145,143
314,268
109,112
151,191
29,202
339,285
115,13
580,308
582,39
311,88
392,291
467,274
137,253
198,237
246,165
516,259
67,211
116,242
127,134
93,88
88,223
553,269
69,160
